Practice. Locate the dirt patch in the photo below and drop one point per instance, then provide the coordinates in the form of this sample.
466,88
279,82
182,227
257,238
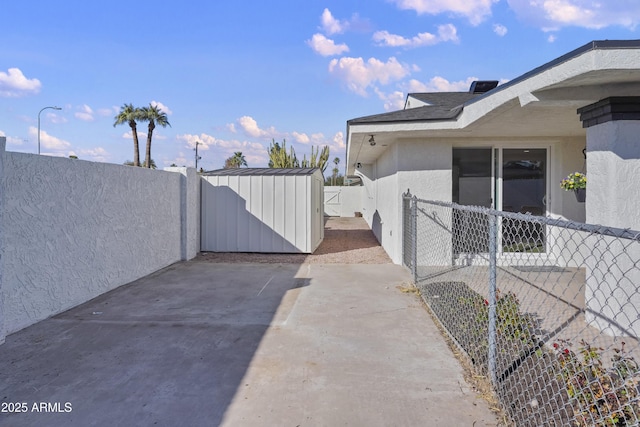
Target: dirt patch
346,241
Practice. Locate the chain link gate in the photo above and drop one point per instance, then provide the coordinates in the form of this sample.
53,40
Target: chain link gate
547,309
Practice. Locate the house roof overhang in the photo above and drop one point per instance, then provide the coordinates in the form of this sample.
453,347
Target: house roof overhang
541,103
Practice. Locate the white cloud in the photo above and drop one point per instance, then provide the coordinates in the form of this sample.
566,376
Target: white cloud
415,86
553,14
181,160
475,11
14,84
15,141
338,140
231,127
359,75
56,118
326,47
392,101
85,113
440,84
12,140
500,29
302,138
331,25
446,33
251,128
108,112
160,106
217,150
97,154
205,141
48,141
141,136
551,38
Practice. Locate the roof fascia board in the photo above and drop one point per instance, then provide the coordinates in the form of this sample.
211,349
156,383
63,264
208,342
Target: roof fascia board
593,60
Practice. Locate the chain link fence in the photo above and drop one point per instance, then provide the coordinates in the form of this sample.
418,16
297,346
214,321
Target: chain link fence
548,310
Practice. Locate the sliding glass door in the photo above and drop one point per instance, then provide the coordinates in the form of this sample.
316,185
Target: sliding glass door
508,179
524,190
472,181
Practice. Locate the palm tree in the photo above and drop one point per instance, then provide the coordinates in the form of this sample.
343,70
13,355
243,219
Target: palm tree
239,159
130,115
235,161
153,115
336,170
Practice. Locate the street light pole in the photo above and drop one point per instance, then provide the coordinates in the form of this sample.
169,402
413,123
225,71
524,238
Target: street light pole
53,108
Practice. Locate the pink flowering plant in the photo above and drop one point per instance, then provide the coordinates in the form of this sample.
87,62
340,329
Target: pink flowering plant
574,181
600,396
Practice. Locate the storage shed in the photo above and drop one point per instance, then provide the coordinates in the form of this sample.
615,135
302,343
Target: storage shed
262,210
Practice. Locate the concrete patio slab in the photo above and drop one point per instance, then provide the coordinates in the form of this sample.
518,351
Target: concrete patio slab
205,344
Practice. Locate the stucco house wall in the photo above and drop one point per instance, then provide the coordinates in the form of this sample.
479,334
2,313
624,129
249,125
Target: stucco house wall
424,168
385,217
74,229
587,97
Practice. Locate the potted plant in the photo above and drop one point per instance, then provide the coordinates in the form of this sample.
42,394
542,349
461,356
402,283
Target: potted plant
576,182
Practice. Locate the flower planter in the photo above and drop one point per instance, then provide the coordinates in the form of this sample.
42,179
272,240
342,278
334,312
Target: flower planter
581,194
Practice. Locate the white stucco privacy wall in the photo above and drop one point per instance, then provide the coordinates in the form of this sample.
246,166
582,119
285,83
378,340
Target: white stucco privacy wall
3,330
343,201
74,229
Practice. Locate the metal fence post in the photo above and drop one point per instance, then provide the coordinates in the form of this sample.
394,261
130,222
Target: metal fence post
414,242
493,245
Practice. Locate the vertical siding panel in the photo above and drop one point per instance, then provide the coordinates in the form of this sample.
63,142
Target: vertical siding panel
232,222
279,212
244,191
302,212
268,199
255,200
290,215
219,216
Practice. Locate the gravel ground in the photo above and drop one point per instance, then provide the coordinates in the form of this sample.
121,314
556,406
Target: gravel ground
346,241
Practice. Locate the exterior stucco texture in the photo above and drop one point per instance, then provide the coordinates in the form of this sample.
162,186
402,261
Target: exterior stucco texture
75,229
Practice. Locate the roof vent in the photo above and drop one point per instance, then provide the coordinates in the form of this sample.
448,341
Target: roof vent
482,86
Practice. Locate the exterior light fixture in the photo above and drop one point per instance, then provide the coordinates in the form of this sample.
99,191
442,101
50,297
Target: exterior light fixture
372,141
53,108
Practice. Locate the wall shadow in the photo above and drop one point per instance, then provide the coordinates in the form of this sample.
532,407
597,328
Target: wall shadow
229,226
172,348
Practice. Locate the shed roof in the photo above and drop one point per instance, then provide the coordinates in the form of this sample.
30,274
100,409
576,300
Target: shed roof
261,171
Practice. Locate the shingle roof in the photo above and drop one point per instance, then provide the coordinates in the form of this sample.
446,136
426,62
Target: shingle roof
260,171
448,105
443,106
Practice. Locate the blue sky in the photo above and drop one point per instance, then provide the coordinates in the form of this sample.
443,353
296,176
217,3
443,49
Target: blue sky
234,75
